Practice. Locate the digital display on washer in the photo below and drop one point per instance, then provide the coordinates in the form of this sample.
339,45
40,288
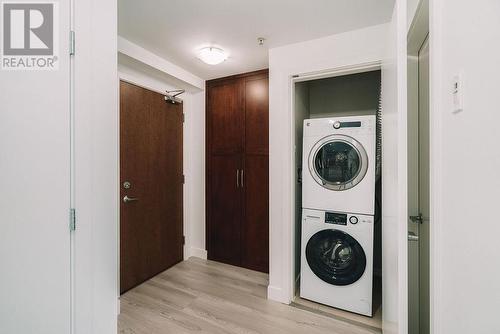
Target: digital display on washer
350,124
335,218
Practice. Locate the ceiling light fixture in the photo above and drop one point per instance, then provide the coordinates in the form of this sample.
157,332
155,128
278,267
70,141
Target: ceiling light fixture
212,55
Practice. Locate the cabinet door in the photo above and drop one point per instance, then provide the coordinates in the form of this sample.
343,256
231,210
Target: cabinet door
257,115
255,227
224,205
225,117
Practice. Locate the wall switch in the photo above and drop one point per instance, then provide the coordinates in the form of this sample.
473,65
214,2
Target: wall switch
458,93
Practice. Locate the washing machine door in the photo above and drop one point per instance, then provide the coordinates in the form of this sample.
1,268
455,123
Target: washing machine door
338,162
335,257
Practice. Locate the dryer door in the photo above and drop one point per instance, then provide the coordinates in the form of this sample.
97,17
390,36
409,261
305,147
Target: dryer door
338,162
335,257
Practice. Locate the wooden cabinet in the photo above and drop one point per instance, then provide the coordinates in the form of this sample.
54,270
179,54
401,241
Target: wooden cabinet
237,112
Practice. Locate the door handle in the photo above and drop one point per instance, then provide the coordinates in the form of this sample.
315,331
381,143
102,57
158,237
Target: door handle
412,236
237,178
242,184
127,199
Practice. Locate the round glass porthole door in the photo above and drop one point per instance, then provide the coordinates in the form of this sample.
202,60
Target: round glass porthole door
335,257
338,162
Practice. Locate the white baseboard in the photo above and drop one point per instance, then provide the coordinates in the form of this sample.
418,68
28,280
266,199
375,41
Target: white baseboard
276,294
198,252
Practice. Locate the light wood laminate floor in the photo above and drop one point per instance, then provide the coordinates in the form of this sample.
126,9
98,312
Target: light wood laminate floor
198,296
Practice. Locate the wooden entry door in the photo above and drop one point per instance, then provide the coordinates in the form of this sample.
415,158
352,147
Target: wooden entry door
151,185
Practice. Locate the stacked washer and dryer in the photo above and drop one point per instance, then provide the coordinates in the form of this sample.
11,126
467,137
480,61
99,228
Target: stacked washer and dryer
338,207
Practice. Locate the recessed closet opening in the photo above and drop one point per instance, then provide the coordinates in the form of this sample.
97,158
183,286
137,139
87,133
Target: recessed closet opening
337,227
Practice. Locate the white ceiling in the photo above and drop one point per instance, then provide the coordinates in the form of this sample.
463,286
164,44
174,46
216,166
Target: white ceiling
176,29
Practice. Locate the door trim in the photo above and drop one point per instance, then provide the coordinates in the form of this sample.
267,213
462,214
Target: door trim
436,95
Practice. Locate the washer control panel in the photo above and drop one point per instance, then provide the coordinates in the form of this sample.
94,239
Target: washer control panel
335,218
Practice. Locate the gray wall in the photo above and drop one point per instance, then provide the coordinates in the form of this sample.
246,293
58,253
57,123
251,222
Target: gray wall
348,95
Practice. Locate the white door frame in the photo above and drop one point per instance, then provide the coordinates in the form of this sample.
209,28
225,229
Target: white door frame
436,166
96,184
394,176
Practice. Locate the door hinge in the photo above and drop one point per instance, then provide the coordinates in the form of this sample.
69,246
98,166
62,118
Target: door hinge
417,219
183,179
183,117
72,219
183,240
71,43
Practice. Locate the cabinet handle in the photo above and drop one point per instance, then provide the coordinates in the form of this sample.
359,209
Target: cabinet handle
242,185
237,178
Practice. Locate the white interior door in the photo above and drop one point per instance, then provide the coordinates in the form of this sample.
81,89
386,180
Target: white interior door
35,190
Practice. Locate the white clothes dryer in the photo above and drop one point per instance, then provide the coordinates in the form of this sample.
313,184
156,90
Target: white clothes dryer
338,169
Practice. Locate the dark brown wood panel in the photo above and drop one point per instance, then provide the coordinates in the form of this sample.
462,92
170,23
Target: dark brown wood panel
226,117
225,209
255,227
151,236
257,115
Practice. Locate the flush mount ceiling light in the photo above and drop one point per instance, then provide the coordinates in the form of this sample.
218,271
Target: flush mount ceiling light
212,55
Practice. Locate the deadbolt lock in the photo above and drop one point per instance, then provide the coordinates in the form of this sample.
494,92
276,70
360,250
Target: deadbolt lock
127,185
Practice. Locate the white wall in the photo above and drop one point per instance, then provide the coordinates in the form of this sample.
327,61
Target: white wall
177,75
411,10
354,47
464,38
156,79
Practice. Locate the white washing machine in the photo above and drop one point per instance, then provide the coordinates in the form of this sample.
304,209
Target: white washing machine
338,168
337,260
